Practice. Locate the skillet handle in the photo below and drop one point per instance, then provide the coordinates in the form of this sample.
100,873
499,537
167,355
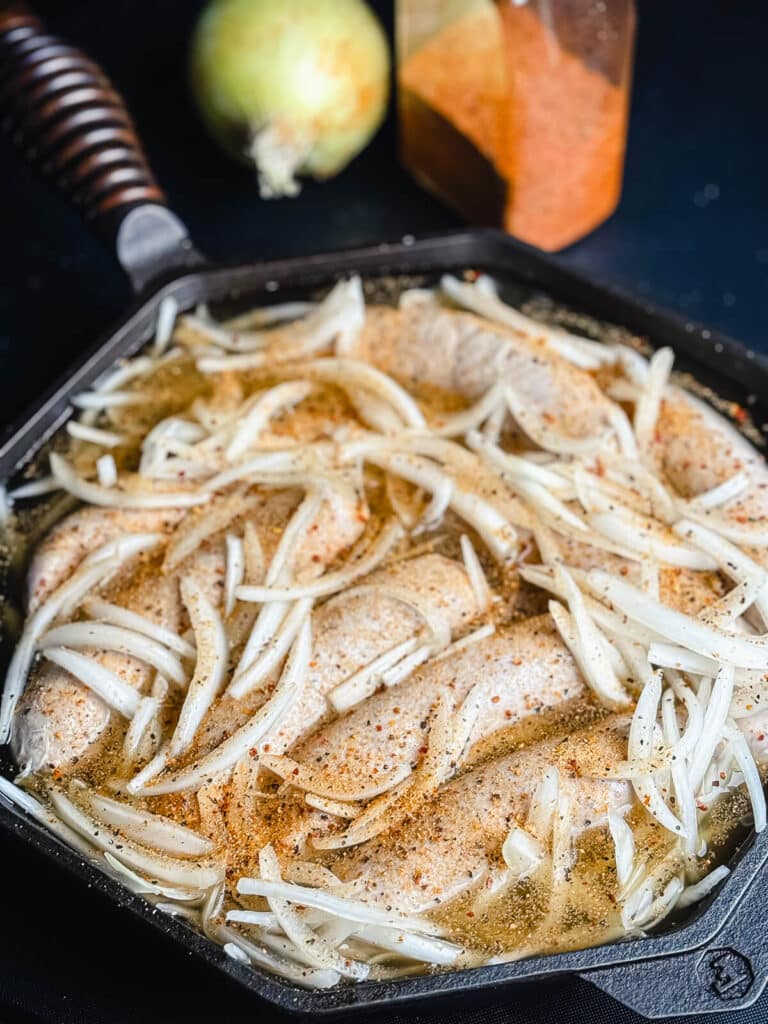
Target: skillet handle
70,123
727,973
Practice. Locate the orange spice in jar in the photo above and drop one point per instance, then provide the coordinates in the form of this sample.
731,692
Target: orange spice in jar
515,111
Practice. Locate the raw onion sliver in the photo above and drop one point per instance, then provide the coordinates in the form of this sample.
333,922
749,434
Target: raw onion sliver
628,529
264,630
34,489
624,846
315,781
152,768
517,467
732,561
340,316
134,735
185,873
212,654
261,668
106,684
83,432
497,532
333,807
259,918
750,534
522,853
167,312
361,684
294,535
357,374
153,830
235,571
102,636
98,400
332,582
724,493
338,906
749,770
406,666
281,966
118,616
715,718
106,471
470,419
312,947
253,554
115,497
423,948
590,651
267,315
742,651
543,805
138,884
477,578
588,355
269,715
95,569
19,798
649,403
695,893
282,396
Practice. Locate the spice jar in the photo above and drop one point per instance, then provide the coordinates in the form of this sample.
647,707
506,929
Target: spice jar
515,112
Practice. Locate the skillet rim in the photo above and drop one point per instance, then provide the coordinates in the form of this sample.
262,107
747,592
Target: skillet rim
487,248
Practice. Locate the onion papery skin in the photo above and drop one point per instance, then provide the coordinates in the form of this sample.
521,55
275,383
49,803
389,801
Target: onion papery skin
315,73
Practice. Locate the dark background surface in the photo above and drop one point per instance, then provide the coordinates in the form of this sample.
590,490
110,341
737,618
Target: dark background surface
691,233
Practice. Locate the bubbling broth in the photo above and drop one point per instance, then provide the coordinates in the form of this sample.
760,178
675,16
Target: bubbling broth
374,639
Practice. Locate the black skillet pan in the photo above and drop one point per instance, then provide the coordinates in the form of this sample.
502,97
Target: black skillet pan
64,114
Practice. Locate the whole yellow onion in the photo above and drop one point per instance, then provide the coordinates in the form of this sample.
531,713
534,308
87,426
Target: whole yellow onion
292,86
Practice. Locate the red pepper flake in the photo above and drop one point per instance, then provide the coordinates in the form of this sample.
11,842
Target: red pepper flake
624,570
517,661
495,700
379,728
739,413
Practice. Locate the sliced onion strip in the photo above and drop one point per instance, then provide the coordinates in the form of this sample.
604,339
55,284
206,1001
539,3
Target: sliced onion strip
117,616
212,654
316,782
106,637
153,830
103,682
185,873
269,716
235,571
116,497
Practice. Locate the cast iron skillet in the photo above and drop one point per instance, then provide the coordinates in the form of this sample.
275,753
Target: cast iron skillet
64,114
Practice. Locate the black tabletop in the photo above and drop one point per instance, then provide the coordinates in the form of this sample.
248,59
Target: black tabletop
691,233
